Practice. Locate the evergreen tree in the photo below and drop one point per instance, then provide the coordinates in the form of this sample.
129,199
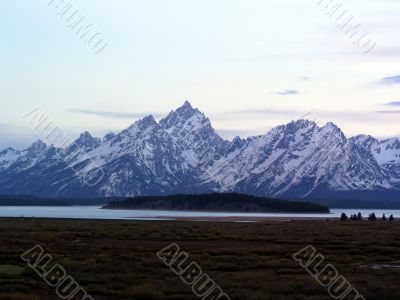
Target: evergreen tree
359,217
344,217
391,218
384,217
372,217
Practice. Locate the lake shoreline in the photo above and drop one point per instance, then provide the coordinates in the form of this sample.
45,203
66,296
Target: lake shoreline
271,219
213,211
96,212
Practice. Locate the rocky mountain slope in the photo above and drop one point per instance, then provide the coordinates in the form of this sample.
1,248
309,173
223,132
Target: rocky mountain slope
182,153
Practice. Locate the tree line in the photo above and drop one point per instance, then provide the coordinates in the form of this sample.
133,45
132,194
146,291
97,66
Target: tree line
371,217
233,202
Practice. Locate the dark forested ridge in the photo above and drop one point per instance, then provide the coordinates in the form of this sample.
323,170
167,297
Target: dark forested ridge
232,202
22,200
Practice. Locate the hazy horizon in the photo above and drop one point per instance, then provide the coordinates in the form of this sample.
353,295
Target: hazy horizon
248,66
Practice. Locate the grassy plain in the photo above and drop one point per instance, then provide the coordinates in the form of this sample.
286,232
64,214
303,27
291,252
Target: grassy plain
250,261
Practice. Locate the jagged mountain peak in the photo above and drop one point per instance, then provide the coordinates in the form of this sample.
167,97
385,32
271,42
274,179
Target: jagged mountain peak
7,157
83,144
85,135
332,126
364,140
183,115
141,125
86,138
38,146
183,153
145,124
188,124
148,121
186,108
290,129
36,153
7,150
392,142
236,143
302,123
108,137
193,132
187,105
237,139
333,129
363,137
85,141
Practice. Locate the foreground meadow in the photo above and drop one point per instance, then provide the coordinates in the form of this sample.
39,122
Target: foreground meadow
117,259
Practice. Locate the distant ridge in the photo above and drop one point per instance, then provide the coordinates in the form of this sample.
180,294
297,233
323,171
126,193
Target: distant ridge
183,154
15,200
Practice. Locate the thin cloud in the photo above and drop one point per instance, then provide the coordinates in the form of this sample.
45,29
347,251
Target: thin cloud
392,80
295,114
394,103
110,114
396,112
288,92
254,112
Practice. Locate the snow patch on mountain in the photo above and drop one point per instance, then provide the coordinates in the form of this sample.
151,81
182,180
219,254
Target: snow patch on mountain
183,154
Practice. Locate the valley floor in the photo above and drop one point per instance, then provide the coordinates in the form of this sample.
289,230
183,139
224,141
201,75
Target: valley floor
117,259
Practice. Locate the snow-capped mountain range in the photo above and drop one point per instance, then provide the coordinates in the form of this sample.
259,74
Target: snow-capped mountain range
183,154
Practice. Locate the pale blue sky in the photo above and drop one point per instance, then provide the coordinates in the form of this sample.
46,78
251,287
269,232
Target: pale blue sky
249,65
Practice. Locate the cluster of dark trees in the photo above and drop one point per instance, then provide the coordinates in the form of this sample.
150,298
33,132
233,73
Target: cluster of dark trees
359,217
232,202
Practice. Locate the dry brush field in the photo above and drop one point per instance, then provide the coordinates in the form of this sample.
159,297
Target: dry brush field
249,261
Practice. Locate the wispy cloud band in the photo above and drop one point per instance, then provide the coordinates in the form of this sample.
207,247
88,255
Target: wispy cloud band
110,114
391,80
394,103
287,92
389,112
